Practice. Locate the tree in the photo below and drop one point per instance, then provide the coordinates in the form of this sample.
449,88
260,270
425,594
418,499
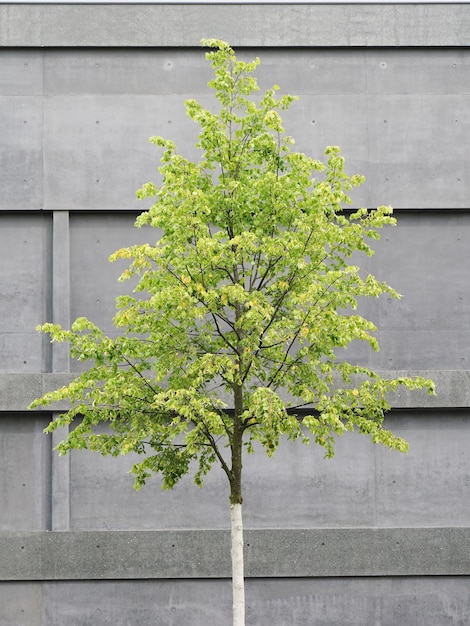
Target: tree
249,293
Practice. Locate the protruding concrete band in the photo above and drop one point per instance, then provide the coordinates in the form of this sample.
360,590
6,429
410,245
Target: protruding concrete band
453,389
250,25
206,553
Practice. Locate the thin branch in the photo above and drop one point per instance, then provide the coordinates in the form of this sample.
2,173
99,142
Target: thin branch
215,447
140,374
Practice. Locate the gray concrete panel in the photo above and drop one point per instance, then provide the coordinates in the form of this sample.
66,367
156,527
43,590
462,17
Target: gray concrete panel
282,25
319,71
363,485
21,603
425,258
416,153
93,239
102,497
206,554
406,142
97,152
376,71
21,152
21,352
357,602
404,348
21,72
426,329
400,71
135,71
24,473
24,283
408,148
406,601
431,483
404,139
192,602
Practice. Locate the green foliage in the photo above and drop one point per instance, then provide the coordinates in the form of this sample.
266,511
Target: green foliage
249,294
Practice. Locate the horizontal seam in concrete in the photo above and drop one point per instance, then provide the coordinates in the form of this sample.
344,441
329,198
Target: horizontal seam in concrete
244,25
345,552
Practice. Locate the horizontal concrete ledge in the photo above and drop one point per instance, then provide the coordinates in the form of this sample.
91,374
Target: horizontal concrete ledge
206,553
243,25
397,211
17,391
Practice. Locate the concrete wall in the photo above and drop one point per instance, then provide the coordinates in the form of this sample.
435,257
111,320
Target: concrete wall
370,537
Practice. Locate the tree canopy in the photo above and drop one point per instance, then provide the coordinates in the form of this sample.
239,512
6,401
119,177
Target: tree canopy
244,303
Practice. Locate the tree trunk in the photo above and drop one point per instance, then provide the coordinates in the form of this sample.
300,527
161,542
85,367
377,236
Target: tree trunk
238,581
236,499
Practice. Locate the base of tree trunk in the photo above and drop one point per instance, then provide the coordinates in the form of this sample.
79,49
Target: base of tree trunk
238,581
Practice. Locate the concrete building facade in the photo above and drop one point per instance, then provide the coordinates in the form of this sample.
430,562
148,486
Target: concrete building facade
370,537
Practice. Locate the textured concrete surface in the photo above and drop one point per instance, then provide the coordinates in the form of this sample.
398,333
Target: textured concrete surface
398,115
435,601
282,25
206,554
25,464
24,284
362,486
426,331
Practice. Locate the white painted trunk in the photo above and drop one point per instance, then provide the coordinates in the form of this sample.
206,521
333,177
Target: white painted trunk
238,580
